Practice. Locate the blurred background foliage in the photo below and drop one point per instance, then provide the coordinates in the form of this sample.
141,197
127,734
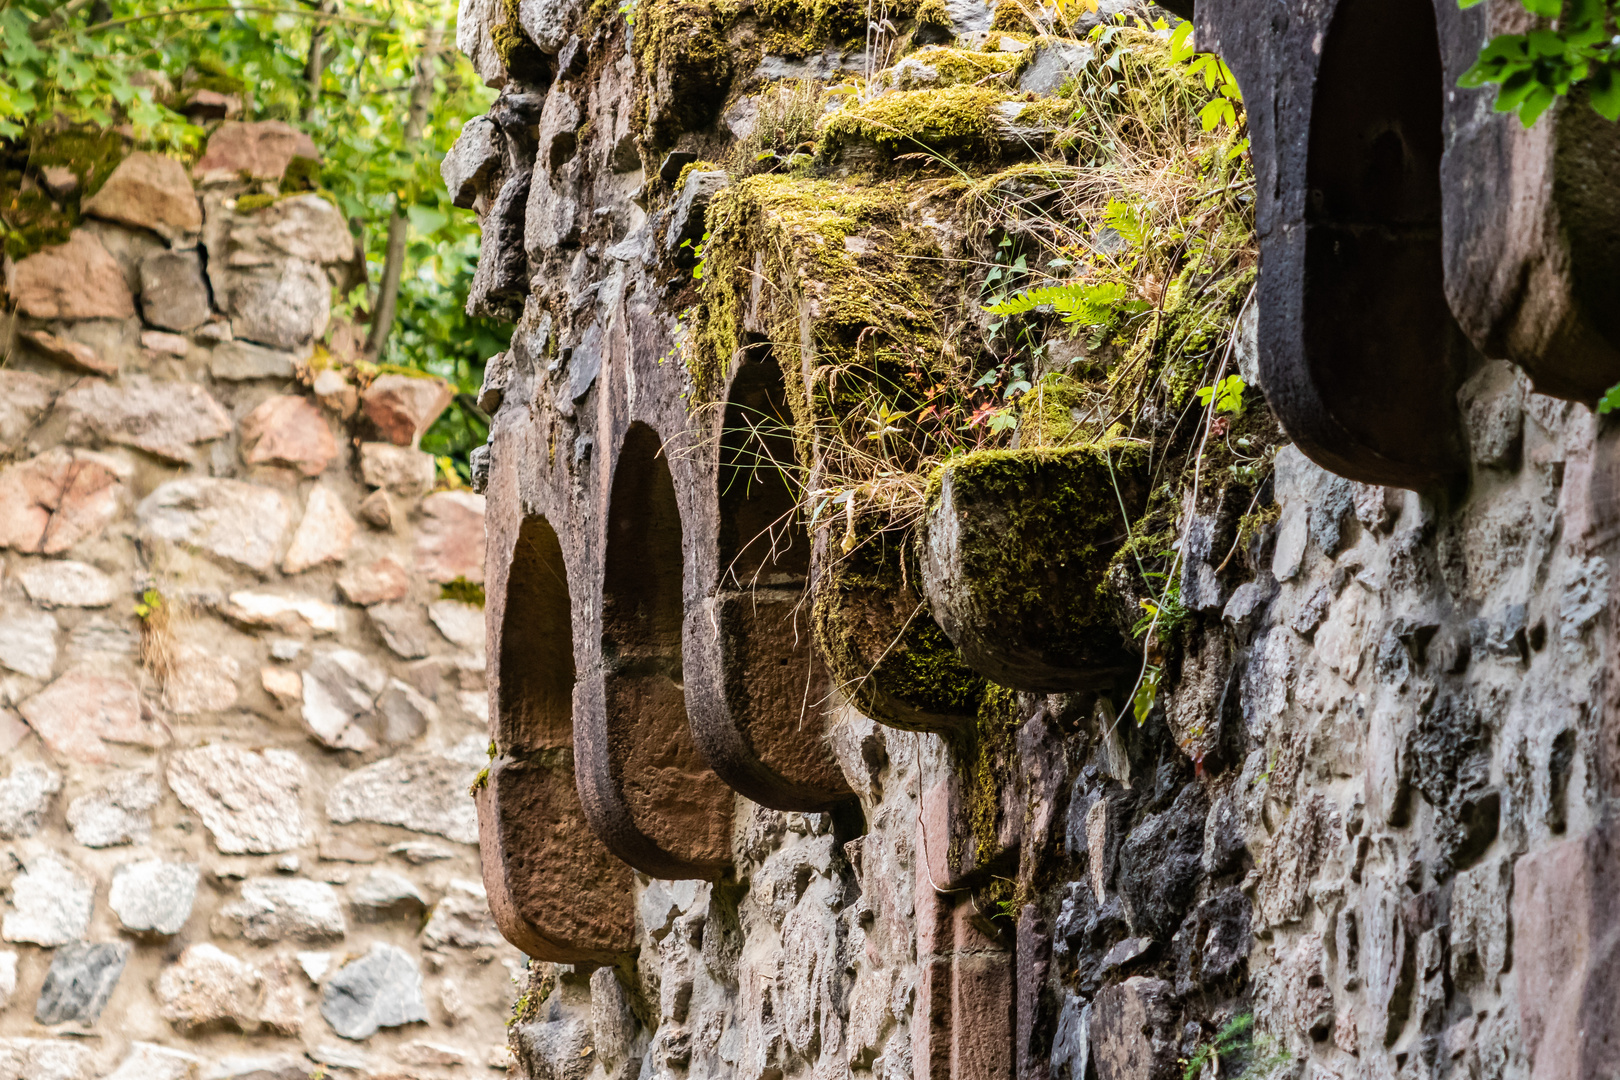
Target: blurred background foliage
83,68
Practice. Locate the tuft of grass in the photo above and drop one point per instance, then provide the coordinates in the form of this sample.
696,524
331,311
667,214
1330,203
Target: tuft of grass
468,592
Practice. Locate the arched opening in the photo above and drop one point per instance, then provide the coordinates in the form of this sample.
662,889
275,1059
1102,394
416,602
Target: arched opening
555,890
768,741
675,801
1380,343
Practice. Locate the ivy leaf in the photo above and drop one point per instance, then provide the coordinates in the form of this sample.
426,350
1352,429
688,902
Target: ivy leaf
1605,94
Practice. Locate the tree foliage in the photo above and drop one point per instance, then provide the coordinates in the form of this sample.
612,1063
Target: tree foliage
1530,71
133,64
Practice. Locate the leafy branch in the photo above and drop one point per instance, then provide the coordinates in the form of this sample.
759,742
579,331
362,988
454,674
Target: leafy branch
1531,71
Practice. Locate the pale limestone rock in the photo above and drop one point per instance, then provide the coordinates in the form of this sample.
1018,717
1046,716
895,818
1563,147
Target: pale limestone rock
399,469
201,680
79,713
24,397
277,611
283,684
117,812
165,419
25,796
323,536
249,801
28,643
51,502
340,691
290,431
383,895
45,1059
149,1061
462,919
239,361
64,583
462,623
207,987
8,977
376,582
50,903
423,792
73,355
404,628
238,522
276,909
153,895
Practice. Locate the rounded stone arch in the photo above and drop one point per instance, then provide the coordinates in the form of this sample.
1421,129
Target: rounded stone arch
1366,380
760,717
647,791
555,890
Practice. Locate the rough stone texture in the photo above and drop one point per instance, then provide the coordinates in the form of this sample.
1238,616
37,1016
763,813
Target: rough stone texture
381,989
462,919
79,983
238,522
402,470
173,292
403,407
324,534
148,1061
149,191
74,355
340,693
262,150
25,797
28,643
75,280
288,430
165,419
51,903
238,361
80,713
374,582
117,812
383,895
207,987
44,1059
450,537
66,583
248,800
51,502
279,909
424,792
153,895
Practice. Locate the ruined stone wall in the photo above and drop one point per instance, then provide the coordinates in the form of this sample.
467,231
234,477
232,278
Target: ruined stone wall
240,715
1366,812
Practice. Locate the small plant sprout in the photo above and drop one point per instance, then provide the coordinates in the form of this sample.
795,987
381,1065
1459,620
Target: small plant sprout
1227,394
698,252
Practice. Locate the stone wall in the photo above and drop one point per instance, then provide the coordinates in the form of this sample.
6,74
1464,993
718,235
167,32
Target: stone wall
240,715
1367,812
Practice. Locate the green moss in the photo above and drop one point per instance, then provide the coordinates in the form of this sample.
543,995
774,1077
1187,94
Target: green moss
480,782
954,66
934,15
684,59
302,174
1010,15
208,74
522,57
32,218
1000,714
468,592
796,27
696,166
959,123
258,200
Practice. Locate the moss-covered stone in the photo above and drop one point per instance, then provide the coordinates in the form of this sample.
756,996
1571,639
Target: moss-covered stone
684,59
938,65
1015,555
33,218
1011,15
958,124
523,59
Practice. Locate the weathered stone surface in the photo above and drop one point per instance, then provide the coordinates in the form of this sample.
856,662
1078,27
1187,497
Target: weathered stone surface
149,192
75,280
399,469
288,430
404,406
79,983
238,522
79,713
336,393
450,537
377,509
24,397
424,792
44,1059
277,1067
323,536
1134,1032
283,684
405,629
404,714
462,919
285,306
167,344
340,691
262,150
74,355
149,1061
25,796
28,643
468,166
8,977
174,295
200,680
209,988
249,801
381,989
117,812
383,895
289,613
375,582
51,903
51,502
278,909
238,361
462,623
165,419
65,583
153,895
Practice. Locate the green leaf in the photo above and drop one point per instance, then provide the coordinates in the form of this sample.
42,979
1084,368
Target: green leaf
1604,88
1610,400
1539,100
1547,9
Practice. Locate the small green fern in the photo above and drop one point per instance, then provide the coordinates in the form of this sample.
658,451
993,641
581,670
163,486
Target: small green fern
1079,303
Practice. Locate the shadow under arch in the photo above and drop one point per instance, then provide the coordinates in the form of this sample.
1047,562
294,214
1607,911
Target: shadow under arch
760,718
555,890
1366,381
648,792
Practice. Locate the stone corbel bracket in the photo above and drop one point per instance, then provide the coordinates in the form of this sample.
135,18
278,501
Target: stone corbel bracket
1401,222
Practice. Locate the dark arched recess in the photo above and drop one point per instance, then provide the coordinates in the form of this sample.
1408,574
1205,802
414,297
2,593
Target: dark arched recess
556,892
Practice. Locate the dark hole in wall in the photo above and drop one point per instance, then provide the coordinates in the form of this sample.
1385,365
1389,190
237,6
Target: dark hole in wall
674,798
1559,764
536,660
1379,338
762,540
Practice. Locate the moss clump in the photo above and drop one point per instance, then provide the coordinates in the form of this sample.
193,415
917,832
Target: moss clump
1010,15
958,123
1000,714
684,57
932,15
468,592
31,218
248,204
302,174
952,66
797,27
522,57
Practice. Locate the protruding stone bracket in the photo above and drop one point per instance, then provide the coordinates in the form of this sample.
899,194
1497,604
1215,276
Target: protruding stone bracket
1381,189
555,891
759,694
647,791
